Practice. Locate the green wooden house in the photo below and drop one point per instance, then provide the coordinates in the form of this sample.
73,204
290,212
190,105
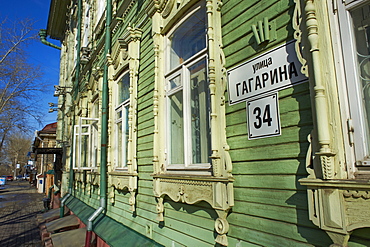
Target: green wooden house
215,123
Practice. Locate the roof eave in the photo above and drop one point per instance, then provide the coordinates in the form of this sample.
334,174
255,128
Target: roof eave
57,19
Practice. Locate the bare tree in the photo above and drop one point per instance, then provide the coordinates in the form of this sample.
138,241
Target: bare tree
18,144
20,81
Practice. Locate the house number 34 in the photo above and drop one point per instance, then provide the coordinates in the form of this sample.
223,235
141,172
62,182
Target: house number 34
263,117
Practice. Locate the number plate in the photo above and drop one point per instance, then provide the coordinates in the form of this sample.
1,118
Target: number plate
263,117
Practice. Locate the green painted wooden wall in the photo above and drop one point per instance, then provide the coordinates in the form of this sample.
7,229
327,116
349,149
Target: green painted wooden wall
270,205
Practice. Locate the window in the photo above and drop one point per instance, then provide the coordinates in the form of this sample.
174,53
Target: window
187,93
121,121
86,26
95,133
190,159
354,22
100,7
85,143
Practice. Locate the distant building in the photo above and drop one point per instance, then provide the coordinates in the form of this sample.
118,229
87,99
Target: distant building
203,123
47,158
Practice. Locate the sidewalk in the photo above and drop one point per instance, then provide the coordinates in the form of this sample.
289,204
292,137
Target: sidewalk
19,205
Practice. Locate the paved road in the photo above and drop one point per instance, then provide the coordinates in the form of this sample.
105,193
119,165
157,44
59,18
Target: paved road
19,205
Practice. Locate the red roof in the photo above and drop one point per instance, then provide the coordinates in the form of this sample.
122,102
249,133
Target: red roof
50,128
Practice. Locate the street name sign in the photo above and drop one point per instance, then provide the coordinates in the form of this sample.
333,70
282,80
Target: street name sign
274,70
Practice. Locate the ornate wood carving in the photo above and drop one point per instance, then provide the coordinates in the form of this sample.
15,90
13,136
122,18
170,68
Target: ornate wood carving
325,154
216,189
338,206
127,53
297,25
119,53
93,178
119,181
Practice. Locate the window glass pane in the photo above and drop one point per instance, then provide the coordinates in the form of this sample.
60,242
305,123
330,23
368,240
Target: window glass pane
119,114
95,143
177,128
99,10
200,130
122,135
76,146
126,132
361,25
84,151
119,144
122,120
84,146
188,39
124,88
95,109
175,82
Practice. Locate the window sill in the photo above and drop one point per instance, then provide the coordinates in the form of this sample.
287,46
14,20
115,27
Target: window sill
88,176
123,180
195,170
346,184
118,171
191,189
81,169
192,177
338,206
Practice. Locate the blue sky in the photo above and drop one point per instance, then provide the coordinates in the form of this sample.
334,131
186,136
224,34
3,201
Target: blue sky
44,56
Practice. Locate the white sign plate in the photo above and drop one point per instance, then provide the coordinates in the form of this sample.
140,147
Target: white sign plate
274,70
263,117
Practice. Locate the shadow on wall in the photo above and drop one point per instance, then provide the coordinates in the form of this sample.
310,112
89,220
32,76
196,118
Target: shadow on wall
191,209
305,227
313,234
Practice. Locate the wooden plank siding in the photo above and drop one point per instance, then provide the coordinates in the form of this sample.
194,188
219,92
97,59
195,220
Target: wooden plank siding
270,205
184,225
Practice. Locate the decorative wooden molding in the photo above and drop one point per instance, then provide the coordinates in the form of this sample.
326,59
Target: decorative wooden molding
194,189
297,25
364,194
127,53
215,189
93,178
325,153
78,176
123,181
338,206
119,53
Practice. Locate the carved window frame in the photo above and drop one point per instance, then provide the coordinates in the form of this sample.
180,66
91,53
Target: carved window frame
121,109
86,29
126,56
179,92
331,188
100,6
358,143
190,188
90,133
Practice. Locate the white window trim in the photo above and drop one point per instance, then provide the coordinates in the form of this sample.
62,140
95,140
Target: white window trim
215,188
126,57
121,107
77,141
100,9
87,25
357,152
183,71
